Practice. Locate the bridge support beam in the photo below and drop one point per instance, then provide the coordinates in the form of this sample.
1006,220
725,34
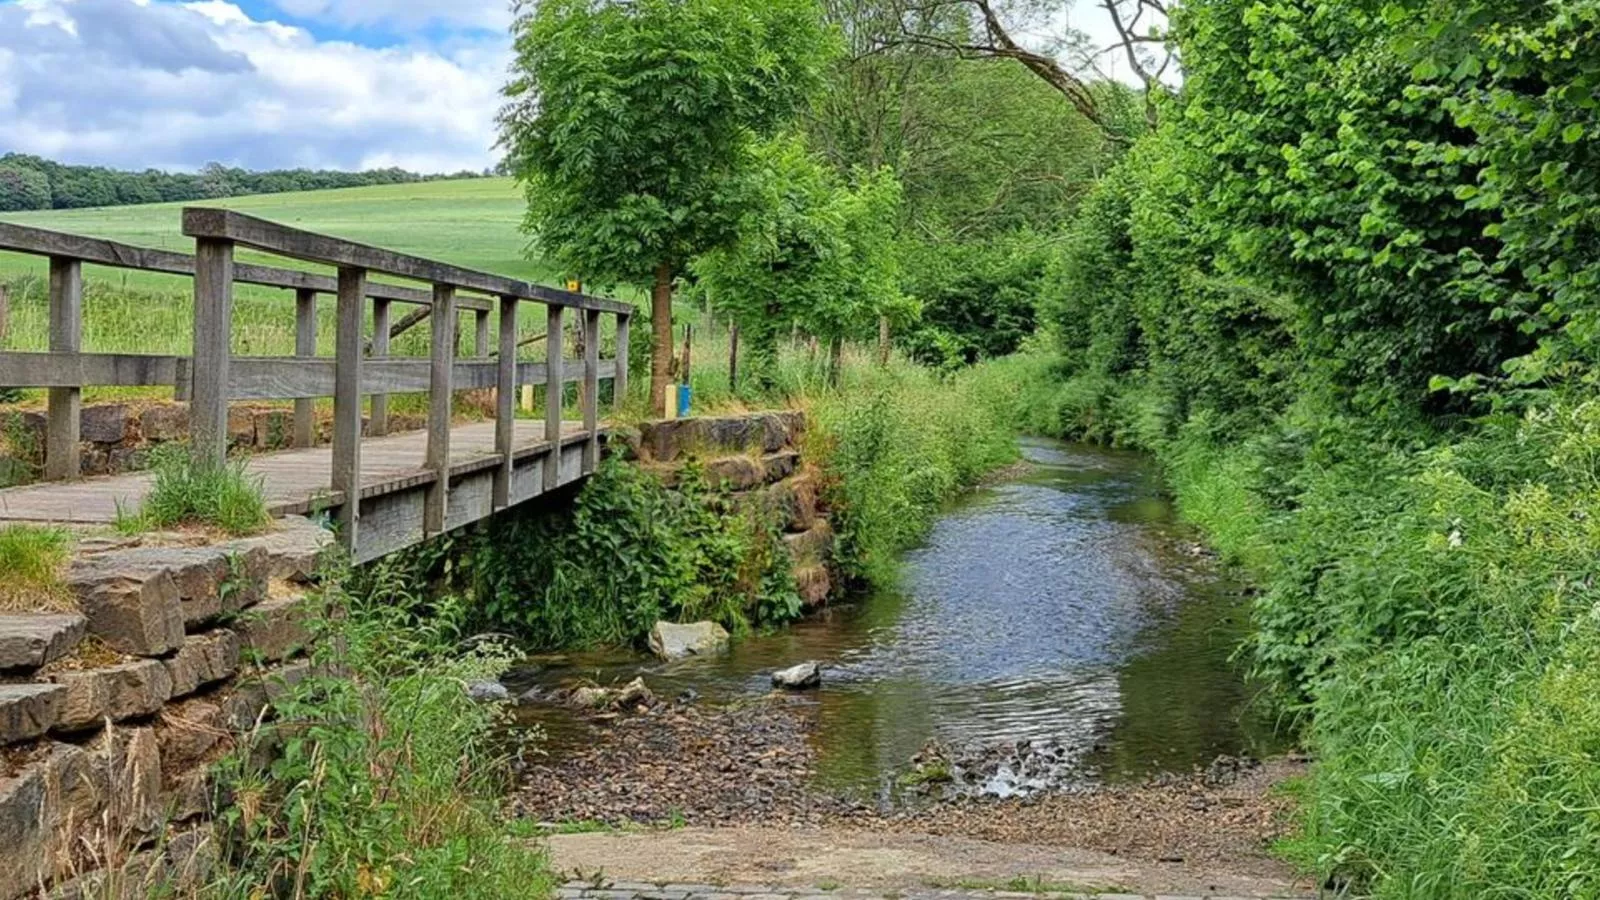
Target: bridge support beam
346,476
554,394
505,399
440,394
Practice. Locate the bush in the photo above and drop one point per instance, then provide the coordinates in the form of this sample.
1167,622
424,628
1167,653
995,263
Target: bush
385,779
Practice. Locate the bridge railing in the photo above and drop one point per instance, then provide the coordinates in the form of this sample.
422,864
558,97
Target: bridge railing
212,376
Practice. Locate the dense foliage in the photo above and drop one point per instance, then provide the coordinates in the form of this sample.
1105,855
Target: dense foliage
1345,291
31,182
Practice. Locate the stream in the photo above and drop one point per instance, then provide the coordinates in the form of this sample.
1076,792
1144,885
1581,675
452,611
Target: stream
1055,628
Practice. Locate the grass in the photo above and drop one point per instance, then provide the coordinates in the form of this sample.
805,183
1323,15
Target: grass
1025,884
185,494
33,558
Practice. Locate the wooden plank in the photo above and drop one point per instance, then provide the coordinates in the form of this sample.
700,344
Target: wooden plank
440,397
505,398
290,378
619,385
378,421
44,242
591,389
553,390
213,331
319,248
62,370
65,404
305,347
346,462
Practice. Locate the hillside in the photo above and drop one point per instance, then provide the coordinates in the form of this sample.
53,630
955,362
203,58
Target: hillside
470,222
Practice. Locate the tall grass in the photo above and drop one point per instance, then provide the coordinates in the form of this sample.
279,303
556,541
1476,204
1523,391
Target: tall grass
184,493
32,558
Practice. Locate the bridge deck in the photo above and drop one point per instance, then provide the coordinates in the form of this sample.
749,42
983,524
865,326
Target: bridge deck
294,481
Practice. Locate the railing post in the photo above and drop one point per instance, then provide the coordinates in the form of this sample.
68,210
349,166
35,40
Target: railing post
213,330
480,337
305,347
505,399
591,389
440,395
378,425
554,392
347,400
66,336
619,384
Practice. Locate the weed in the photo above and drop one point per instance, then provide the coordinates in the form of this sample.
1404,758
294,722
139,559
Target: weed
187,493
32,558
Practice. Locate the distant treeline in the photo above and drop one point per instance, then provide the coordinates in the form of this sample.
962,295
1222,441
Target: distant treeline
30,182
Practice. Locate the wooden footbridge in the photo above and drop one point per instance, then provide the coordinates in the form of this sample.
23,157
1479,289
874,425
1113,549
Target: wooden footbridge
386,491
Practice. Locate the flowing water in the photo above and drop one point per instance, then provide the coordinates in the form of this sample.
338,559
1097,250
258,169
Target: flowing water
1062,611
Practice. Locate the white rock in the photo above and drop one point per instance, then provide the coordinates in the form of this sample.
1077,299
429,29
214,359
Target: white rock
672,641
798,678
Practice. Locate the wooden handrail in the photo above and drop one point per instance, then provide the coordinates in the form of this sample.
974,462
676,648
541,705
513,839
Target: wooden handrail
209,223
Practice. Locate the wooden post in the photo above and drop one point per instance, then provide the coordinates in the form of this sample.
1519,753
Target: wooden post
619,386
347,400
379,423
440,396
591,389
554,390
305,346
213,328
733,357
480,338
65,404
505,414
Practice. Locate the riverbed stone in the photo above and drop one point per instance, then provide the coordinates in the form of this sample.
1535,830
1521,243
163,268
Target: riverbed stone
127,691
669,640
131,603
801,677
30,640
28,710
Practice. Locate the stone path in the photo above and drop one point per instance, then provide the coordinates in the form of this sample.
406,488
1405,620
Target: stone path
643,890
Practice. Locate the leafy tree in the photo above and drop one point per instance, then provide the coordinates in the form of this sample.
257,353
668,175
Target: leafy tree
22,187
815,252
631,125
977,299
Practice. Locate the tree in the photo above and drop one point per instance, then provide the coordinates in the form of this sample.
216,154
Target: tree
815,253
631,126
23,188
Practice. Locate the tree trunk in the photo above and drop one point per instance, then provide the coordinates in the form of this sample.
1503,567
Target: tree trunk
661,343
835,361
883,340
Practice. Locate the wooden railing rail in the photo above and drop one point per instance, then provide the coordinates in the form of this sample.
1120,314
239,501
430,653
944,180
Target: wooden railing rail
217,234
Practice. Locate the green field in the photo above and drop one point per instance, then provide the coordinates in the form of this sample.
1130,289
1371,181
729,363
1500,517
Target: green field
471,222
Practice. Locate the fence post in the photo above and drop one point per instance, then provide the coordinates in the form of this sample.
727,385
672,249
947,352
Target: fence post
554,392
5,313
733,357
505,398
213,330
65,404
347,400
305,346
619,385
480,337
591,389
378,425
440,395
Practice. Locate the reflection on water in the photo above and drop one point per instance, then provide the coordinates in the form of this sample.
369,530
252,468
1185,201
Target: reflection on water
1058,606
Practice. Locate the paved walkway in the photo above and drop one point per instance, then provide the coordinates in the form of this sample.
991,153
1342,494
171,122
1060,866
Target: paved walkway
642,890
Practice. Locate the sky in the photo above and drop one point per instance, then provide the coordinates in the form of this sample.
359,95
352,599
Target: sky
263,84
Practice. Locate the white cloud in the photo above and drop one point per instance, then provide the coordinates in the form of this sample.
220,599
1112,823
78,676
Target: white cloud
135,83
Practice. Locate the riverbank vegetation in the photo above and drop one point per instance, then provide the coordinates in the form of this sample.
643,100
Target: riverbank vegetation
1344,291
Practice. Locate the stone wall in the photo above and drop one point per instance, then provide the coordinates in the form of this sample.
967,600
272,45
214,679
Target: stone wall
117,437
758,458
112,713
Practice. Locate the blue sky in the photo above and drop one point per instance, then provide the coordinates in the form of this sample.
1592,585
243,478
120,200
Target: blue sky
345,84
342,84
